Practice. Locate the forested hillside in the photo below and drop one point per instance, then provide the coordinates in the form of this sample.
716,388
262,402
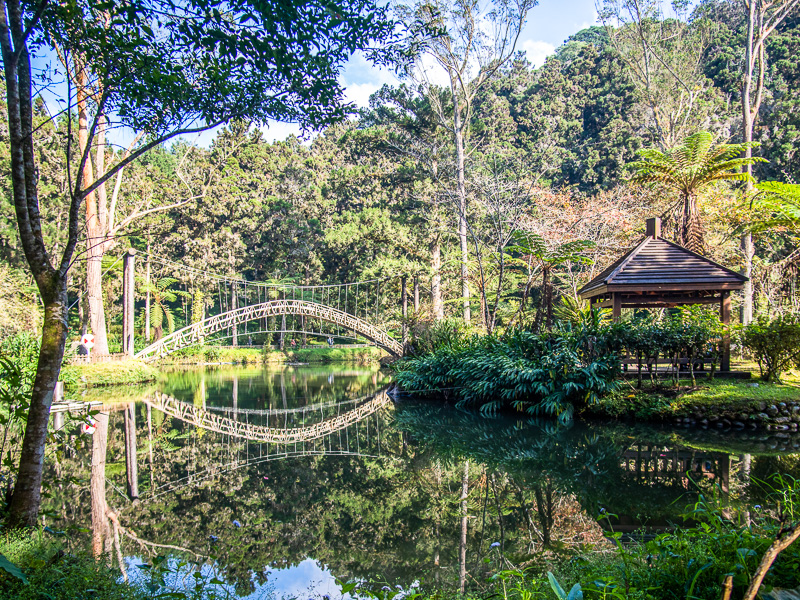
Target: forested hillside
546,156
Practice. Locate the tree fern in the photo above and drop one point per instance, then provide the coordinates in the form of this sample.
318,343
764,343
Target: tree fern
688,170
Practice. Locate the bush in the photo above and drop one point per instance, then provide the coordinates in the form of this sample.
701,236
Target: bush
549,374
775,345
53,573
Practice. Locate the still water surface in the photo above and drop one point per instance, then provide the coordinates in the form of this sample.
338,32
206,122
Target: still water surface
280,481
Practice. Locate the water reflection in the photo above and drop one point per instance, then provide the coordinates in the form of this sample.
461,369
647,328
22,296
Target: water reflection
396,492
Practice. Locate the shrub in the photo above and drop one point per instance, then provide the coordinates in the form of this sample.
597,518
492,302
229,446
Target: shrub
775,344
549,374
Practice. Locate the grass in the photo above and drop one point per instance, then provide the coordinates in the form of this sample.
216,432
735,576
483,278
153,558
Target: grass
52,572
719,395
122,372
328,355
246,355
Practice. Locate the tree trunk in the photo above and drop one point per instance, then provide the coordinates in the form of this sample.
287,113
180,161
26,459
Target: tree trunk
692,230
96,235
23,509
147,299
749,113
436,281
458,135
462,554
97,484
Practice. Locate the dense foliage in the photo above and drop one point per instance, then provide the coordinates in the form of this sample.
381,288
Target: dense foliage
550,374
775,344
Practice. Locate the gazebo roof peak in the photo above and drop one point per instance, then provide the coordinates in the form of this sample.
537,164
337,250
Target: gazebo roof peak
656,265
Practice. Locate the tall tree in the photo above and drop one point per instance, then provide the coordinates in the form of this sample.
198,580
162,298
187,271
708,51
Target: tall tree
167,69
475,41
763,17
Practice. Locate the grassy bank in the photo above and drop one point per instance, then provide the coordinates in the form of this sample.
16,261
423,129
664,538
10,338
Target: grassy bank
252,356
734,400
121,372
329,355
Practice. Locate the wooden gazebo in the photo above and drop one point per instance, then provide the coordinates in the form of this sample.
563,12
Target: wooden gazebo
660,274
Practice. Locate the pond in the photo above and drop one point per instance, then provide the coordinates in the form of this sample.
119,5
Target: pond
277,482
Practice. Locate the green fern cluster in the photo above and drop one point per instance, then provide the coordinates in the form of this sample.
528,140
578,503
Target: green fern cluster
550,374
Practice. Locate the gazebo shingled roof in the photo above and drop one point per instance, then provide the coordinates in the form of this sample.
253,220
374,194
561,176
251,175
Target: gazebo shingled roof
660,274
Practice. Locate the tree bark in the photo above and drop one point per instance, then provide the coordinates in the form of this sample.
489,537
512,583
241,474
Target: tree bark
95,239
97,484
458,135
23,509
462,554
436,281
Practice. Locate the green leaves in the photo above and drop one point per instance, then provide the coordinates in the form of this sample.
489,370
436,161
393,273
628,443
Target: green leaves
574,594
693,165
12,569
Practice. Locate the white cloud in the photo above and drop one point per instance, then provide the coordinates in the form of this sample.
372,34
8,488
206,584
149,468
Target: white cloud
537,51
277,131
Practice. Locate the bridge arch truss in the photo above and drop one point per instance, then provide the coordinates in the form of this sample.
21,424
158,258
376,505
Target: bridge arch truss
196,332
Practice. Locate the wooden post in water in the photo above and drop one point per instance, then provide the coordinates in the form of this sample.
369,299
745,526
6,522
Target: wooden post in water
128,292
131,466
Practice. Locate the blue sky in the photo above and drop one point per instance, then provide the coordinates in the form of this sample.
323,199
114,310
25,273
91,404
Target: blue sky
548,25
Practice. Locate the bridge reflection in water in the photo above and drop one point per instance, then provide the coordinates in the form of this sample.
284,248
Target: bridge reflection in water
347,428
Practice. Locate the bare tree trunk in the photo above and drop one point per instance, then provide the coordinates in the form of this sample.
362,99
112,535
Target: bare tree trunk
462,555
97,484
131,459
458,130
147,298
436,281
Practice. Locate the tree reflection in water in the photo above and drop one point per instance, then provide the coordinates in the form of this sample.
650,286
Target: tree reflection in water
410,492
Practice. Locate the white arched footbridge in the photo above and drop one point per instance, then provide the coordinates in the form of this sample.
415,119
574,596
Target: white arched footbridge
196,332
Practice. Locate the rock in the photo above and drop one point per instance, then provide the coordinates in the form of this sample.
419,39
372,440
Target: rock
742,416
726,422
762,406
781,405
738,424
772,411
780,420
795,409
704,422
762,416
795,418
753,385
778,594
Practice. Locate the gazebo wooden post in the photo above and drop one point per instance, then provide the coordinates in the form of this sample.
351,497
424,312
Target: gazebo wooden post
725,318
616,311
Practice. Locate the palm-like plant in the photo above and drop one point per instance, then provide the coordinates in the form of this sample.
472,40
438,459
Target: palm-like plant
162,294
780,202
547,257
689,169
